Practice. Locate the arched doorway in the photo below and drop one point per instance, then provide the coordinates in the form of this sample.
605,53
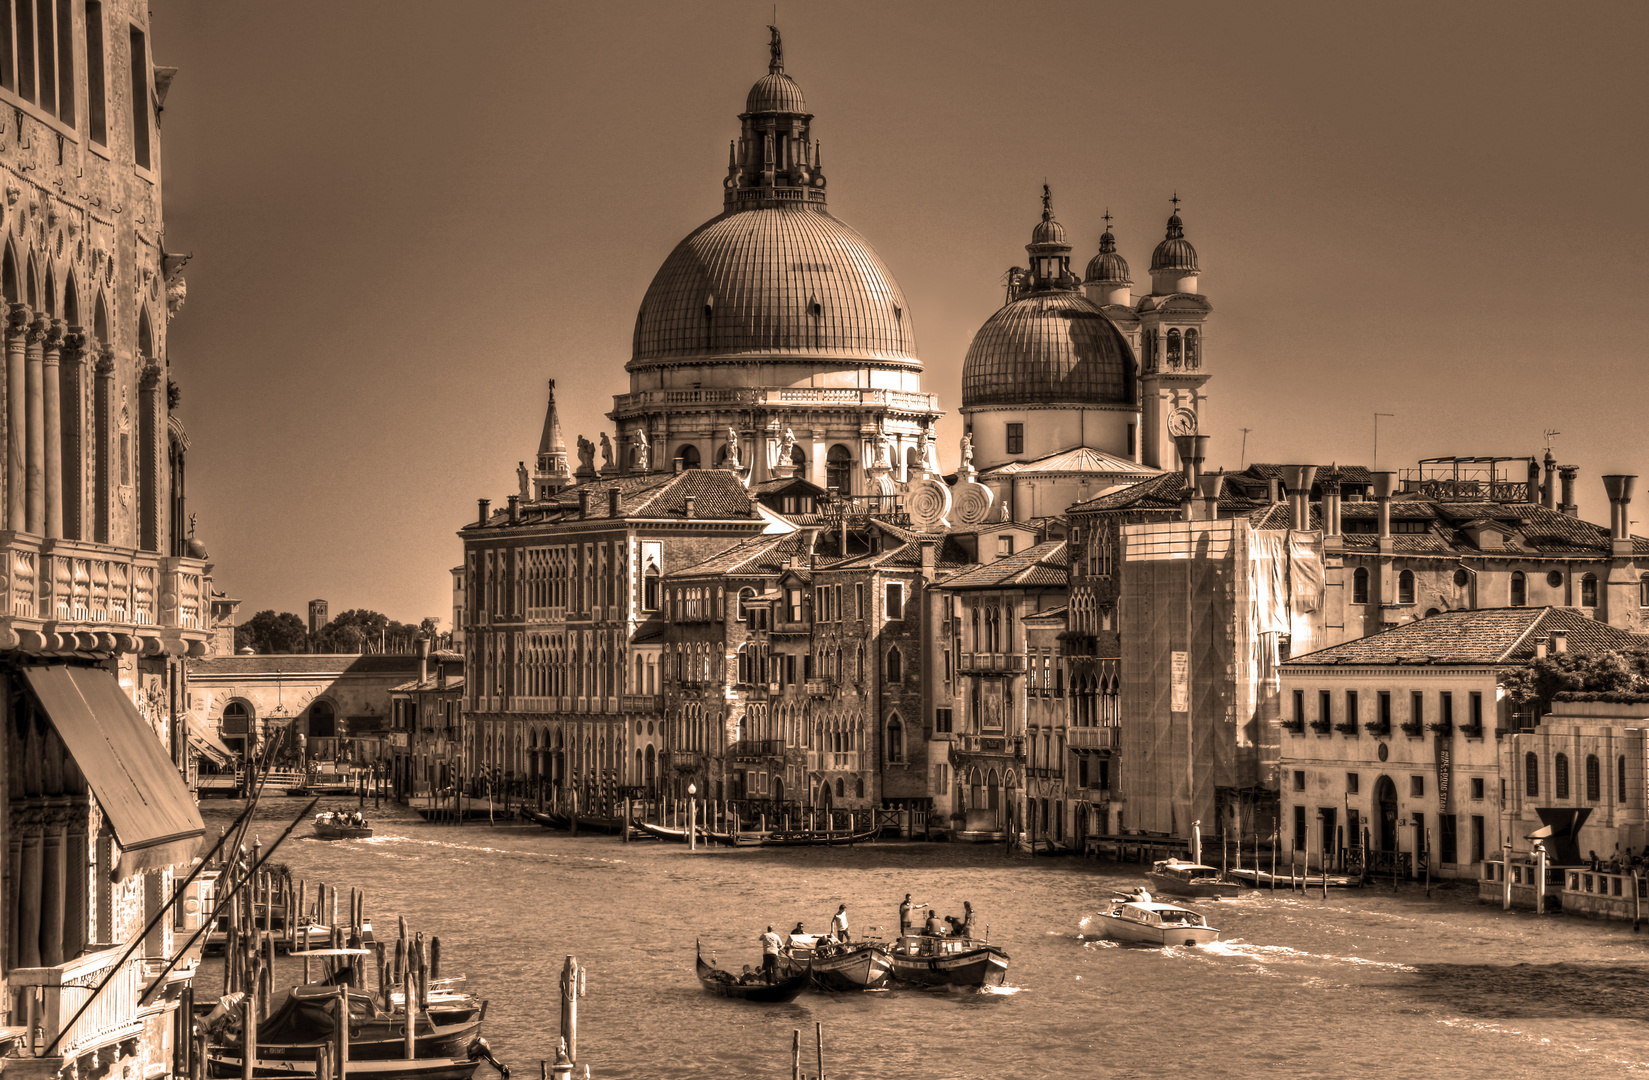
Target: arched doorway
778,790
1385,799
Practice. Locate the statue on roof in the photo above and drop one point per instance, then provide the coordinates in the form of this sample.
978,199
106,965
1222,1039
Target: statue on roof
787,446
967,448
732,461
775,49
606,453
586,455
930,452
884,448
641,451
521,481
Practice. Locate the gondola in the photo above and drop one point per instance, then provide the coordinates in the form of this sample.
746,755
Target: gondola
223,1063
814,838
726,984
308,1019
679,836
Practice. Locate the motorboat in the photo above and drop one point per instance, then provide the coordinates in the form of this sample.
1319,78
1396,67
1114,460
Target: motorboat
341,826
947,960
1153,923
851,966
1177,878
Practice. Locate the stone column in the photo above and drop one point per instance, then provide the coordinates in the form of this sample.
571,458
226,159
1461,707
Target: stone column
17,417
102,528
35,456
77,885
14,872
72,421
29,890
51,401
54,872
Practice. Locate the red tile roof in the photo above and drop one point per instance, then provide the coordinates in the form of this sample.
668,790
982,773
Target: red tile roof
1483,636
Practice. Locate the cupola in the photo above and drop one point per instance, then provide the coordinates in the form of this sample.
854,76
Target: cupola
1107,280
1174,262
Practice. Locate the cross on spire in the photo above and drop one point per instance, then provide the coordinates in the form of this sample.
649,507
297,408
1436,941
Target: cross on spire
1107,216
1176,201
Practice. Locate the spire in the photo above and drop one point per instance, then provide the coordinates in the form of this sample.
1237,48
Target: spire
775,49
552,451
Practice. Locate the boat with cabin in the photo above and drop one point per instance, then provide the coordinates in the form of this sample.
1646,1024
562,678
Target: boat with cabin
1151,922
854,966
946,960
1175,877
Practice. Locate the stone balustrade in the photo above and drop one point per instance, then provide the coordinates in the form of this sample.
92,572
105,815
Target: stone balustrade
45,998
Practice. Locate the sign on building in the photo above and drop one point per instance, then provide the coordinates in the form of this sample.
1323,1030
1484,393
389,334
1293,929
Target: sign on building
1180,682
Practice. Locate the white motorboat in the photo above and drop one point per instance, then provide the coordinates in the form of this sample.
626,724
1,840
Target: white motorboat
1153,923
1178,878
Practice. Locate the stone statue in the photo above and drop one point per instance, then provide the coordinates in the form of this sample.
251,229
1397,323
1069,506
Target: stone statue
967,448
521,482
643,451
606,453
733,448
884,451
586,455
930,453
787,446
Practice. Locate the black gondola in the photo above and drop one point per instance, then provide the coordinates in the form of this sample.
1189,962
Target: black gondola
726,984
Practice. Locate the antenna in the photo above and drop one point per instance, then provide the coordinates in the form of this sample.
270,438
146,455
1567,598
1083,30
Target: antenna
1375,465
1548,433
1242,459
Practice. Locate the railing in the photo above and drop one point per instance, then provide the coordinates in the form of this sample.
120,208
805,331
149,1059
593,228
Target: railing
755,748
44,998
821,687
840,507
798,396
1472,490
1604,883
995,661
1092,738
642,703
73,587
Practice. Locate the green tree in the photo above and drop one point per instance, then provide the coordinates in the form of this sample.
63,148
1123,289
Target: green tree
269,632
1607,671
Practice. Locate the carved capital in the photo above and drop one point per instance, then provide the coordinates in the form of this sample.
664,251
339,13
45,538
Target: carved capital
55,335
37,330
150,375
74,342
106,360
17,320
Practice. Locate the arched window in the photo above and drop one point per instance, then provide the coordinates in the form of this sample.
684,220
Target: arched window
1594,779
799,459
1173,348
1359,586
1193,349
1405,587
1560,776
323,722
237,719
745,596
649,588
913,463
1588,591
858,787
1520,589
1643,591
839,469
1531,776
895,666
841,788
688,457
895,739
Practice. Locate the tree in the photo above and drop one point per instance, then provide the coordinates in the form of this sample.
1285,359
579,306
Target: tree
267,632
364,630
1607,671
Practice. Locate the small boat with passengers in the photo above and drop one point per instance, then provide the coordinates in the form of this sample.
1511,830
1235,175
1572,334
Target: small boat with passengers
751,986
339,825
945,960
1176,878
1139,918
850,966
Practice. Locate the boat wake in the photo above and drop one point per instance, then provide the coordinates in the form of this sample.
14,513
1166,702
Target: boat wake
483,849
1282,954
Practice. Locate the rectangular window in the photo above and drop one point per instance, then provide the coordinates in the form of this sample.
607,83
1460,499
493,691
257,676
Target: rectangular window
1417,708
1352,781
1133,437
1352,716
1385,708
1445,706
895,600
1417,786
790,668
1082,770
1004,546
942,720
1477,787
1299,707
1446,850
1325,707
1105,779
1016,438
793,605
1477,838
1477,709
139,62
1299,828
97,96
1299,779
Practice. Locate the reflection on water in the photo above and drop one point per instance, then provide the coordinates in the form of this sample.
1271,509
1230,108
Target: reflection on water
1368,983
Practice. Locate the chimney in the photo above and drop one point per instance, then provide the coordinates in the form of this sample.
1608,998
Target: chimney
583,503
1186,447
1560,641
930,550
692,506
1620,493
1300,479
1568,474
1540,646
423,660
485,509
1208,486
1331,502
515,509
1534,481
1548,490
613,502
1384,484
1273,492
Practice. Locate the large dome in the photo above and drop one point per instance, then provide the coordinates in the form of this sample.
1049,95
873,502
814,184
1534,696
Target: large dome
1052,347
774,282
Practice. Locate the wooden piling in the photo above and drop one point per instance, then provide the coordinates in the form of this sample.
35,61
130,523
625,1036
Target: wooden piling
343,1032
249,1035
796,1054
569,1005
818,1034
408,1013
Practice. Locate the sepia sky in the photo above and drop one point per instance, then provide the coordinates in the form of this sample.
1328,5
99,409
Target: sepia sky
405,216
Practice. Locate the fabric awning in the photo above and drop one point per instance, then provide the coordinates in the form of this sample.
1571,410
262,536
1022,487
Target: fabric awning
208,745
152,814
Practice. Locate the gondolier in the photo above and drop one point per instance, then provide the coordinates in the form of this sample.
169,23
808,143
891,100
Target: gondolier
770,955
838,923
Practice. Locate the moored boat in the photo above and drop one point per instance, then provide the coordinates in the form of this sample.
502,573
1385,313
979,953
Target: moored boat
679,836
1176,878
943,960
1153,923
308,1018
223,1063
726,984
856,966
1262,879
815,838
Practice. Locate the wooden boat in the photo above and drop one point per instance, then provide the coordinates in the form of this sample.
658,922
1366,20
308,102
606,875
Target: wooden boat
225,1064
726,984
1176,878
544,818
857,966
943,960
679,836
339,827
1153,923
1262,879
815,838
447,1003
308,1018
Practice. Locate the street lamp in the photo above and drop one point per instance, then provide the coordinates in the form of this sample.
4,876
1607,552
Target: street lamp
692,817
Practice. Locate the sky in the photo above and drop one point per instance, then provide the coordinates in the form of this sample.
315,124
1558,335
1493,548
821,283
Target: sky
406,216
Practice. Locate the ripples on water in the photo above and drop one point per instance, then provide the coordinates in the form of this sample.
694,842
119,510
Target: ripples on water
1368,983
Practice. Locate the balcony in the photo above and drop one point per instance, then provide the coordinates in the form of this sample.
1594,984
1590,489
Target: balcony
992,662
1092,738
686,760
751,749
821,688
67,595
44,999
638,703
791,396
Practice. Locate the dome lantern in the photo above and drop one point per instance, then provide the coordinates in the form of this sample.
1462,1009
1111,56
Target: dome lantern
774,161
1050,255
1107,280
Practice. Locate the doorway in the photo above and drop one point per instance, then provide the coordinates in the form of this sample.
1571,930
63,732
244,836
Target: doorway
1385,797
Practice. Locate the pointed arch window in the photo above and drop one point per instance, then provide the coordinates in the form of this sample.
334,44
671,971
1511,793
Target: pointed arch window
895,666
650,588
895,740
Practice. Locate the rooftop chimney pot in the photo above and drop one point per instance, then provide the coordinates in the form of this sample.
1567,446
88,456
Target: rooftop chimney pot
485,507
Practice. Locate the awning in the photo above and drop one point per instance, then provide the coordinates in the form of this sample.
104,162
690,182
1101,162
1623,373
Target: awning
208,745
153,816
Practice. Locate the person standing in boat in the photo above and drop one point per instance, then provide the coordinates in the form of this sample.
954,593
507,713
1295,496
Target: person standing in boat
838,924
904,913
770,955
966,929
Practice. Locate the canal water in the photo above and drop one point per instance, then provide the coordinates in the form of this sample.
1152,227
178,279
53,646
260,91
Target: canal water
1369,983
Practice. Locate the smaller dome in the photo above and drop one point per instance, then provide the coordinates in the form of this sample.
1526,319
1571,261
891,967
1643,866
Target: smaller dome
1048,231
775,92
1108,268
1175,254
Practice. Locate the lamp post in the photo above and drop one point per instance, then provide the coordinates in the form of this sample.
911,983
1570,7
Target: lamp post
692,817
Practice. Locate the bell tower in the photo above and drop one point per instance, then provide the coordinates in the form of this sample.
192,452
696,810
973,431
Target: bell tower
1172,349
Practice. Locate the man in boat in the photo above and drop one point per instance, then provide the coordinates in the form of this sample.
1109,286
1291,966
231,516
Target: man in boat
934,928
794,934
966,929
838,924
904,913
770,955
